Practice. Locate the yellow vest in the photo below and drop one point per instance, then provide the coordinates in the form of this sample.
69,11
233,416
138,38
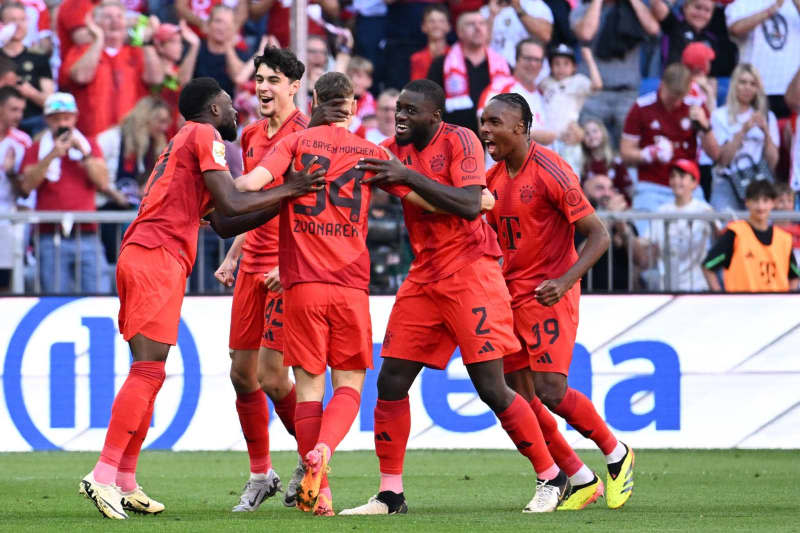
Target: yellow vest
755,267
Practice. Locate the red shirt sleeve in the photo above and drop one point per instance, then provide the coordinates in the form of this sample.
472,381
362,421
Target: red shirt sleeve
277,160
466,163
210,149
72,15
44,19
564,192
633,125
95,150
31,157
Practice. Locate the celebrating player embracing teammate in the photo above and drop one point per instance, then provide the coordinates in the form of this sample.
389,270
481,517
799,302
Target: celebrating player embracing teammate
454,295
539,206
190,179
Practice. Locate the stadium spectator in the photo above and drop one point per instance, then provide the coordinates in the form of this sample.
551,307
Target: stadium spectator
178,66
599,158
564,92
562,33
218,57
403,38
384,127
785,201
33,69
108,76
71,24
747,134
702,92
660,127
467,69
197,13
435,26
278,23
697,21
680,245
754,255
768,35
12,148
8,72
530,57
511,21
618,270
615,31
66,168
369,34
793,101
39,34
359,70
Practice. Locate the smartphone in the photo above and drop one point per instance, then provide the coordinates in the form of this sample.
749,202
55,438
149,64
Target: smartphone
61,131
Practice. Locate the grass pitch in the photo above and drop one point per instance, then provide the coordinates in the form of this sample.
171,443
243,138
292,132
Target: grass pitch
459,491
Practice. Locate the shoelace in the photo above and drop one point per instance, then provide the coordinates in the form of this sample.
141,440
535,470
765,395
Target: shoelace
544,491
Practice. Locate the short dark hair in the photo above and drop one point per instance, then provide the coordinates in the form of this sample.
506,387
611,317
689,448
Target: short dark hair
435,8
781,188
332,85
518,101
196,96
281,60
523,42
9,91
430,89
760,189
7,65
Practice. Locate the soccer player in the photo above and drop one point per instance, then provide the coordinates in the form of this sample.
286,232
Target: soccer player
539,205
256,333
454,295
190,179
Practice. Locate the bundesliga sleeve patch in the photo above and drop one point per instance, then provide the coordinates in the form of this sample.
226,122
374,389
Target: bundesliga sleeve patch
218,151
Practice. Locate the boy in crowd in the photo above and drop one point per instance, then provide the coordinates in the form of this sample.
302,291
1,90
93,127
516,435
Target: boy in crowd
755,255
359,70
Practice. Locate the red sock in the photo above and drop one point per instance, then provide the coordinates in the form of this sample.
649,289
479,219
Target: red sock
130,406
285,409
126,474
521,425
563,454
392,428
307,421
254,419
579,412
338,417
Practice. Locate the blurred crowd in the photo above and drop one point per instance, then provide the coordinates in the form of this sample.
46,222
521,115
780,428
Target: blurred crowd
667,106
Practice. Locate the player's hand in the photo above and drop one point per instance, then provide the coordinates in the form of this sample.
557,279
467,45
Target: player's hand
272,280
487,201
550,291
387,172
305,181
224,273
329,112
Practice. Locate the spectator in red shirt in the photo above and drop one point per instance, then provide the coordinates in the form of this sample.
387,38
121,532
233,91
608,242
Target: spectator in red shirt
178,67
108,76
661,127
66,169
198,13
436,26
71,23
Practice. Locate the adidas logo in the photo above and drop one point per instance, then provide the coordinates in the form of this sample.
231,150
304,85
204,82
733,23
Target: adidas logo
523,444
545,359
250,152
487,347
383,436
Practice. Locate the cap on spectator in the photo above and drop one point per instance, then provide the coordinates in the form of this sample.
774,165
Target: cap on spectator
165,32
698,56
687,166
60,103
562,50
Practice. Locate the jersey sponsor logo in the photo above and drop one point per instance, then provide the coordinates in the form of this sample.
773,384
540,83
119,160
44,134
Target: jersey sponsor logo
775,30
77,340
469,164
509,230
218,151
573,197
526,194
437,163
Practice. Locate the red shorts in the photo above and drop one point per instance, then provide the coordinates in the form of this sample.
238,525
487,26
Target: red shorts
547,335
327,325
151,283
469,309
256,314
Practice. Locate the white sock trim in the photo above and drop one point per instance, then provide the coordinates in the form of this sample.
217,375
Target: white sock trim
618,454
582,476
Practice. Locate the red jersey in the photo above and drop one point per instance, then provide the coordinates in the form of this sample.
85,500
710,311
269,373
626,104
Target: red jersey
260,249
323,237
534,215
278,23
648,120
445,243
116,87
175,195
421,63
71,16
